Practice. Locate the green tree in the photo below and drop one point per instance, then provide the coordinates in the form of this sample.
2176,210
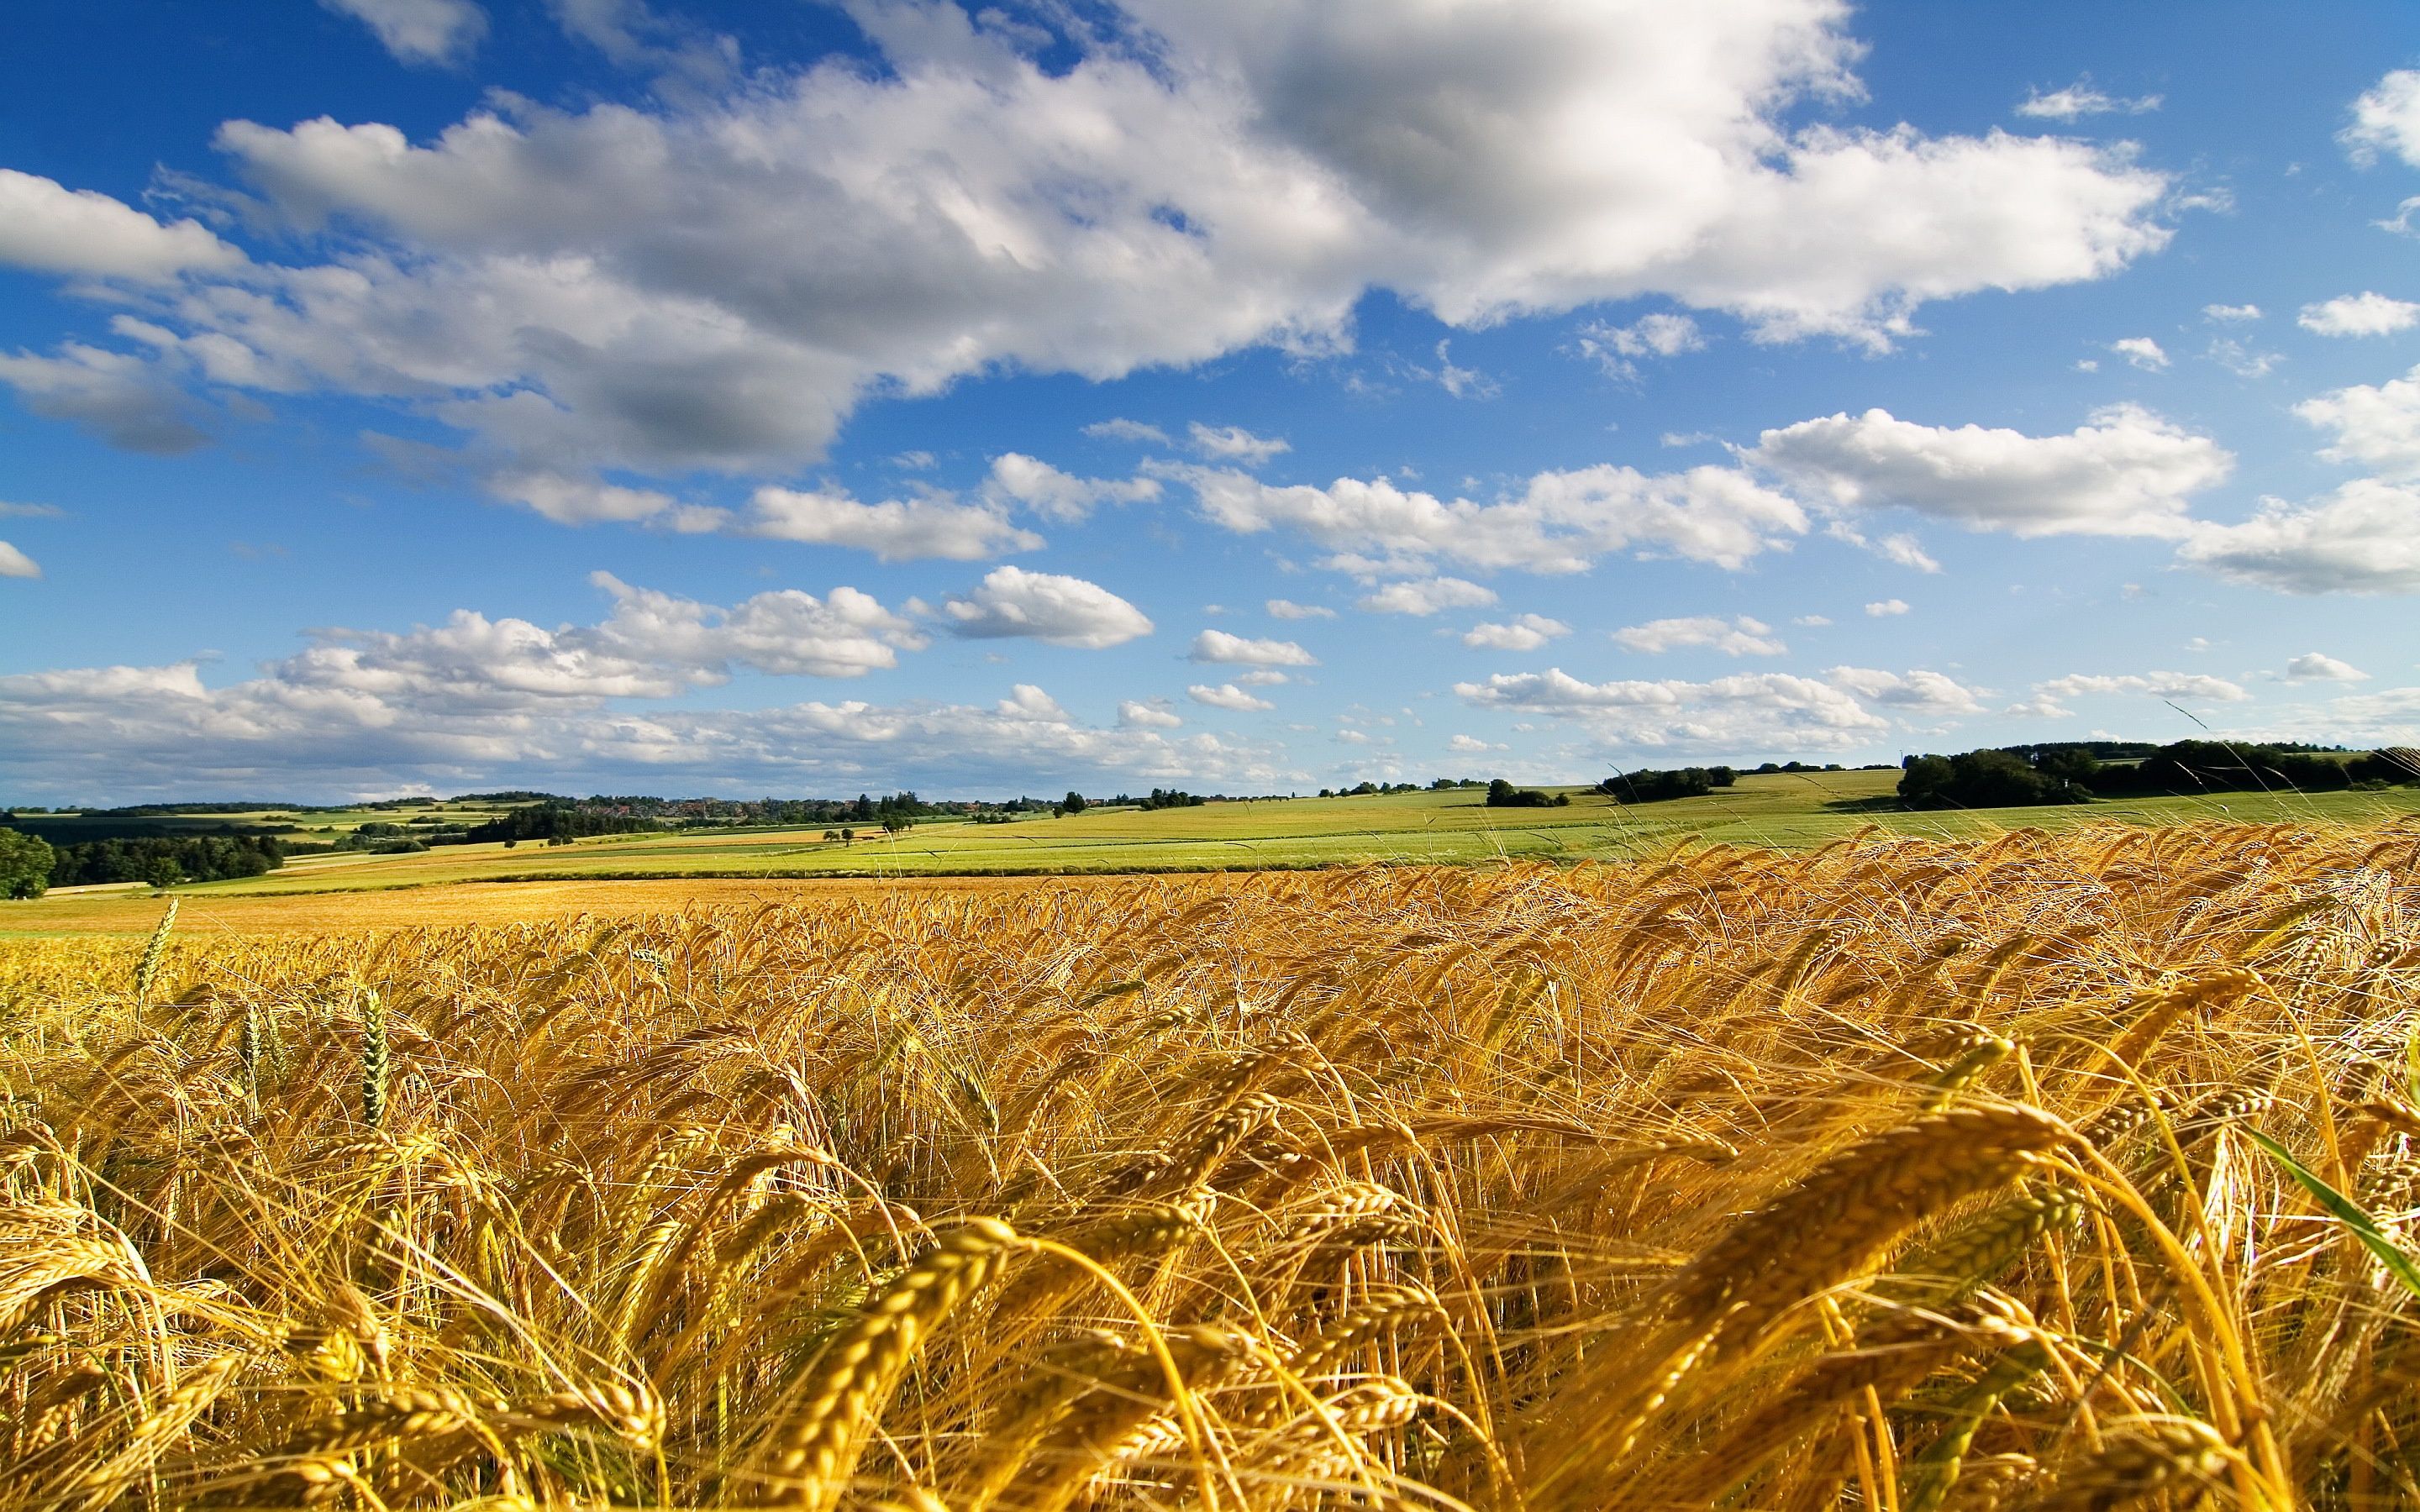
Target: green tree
24,864
1073,803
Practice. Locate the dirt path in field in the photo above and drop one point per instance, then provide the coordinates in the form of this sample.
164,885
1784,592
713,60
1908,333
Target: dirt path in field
474,902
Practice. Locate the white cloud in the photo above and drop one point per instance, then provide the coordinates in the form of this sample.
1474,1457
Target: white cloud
1042,606
1737,637
1233,443
715,279
576,500
2049,697
784,633
1617,348
2367,314
1917,694
2362,538
124,400
1220,648
915,461
419,31
1727,715
1812,622
1155,715
2142,351
161,731
2242,360
1286,609
1227,696
52,230
2125,472
1018,479
2386,118
895,530
2230,313
9,511
2313,666
1462,382
2377,425
1263,677
1127,430
1559,522
1886,608
16,563
1427,595
1900,548
2081,99
1470,746
1527,633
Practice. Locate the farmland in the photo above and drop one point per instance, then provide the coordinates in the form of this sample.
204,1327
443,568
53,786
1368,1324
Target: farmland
2069,1169
1786,809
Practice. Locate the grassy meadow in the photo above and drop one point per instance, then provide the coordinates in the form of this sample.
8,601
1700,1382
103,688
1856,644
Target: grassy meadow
2047,1169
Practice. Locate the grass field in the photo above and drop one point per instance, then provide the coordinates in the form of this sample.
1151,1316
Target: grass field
2053,1170
1787,810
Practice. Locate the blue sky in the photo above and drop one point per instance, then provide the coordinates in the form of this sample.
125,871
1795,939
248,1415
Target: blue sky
404,396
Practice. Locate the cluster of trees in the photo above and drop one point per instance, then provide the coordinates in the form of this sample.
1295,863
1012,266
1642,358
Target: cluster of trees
2078,772
1503,794
164,861
1363,790
24,864
1169,798
1650,785
554,823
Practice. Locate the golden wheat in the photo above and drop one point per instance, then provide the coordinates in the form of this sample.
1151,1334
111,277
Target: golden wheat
1899,1173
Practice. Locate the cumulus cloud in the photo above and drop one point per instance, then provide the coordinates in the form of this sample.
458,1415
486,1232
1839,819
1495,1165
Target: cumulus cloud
2231,314
1233,443
122,399
1020,480
784,633
1227,696
1898,547
1042,606
1726,714
1155,713
2386,118
1559,522
1918,693
1217,647
2362,538
1884,608
2143,352
2081,99
2377,425
1286,609
1127,430
715,278
2050,698
307,729
1427,595
2126,472
1617,348
1471,745
53,229
1527,633
1737,637
894,530
2367,314
2314,665
419,31
16,563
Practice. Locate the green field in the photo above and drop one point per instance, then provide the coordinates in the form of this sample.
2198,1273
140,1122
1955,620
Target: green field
1452,826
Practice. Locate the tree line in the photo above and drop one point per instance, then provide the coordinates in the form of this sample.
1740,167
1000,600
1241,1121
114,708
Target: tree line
2012,776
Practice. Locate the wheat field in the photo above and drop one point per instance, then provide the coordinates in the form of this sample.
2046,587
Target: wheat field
2048,1171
